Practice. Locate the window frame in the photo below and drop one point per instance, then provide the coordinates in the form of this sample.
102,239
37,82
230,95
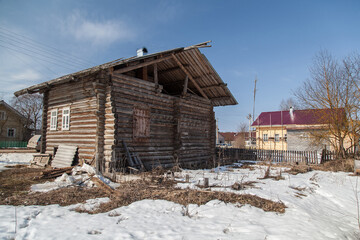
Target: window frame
53,126
65,126
4,115
277,138
265,137
14,134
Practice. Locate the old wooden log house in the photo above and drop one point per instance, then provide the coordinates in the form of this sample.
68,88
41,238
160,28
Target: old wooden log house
159,105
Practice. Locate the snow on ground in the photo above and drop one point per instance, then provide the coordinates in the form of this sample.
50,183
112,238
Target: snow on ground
14,158
321,205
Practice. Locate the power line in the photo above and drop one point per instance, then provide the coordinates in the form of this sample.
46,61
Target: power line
21,59
43,55
32,41
16,50
16,42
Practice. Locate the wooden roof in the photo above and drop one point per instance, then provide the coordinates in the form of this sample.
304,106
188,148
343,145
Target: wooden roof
173,66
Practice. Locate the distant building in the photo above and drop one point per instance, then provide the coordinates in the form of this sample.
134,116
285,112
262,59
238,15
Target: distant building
290,130
12,124
229,138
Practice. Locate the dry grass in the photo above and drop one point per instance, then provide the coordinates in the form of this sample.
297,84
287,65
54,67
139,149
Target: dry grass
296,169
17,181
139,190
63,197
268,175
343,165
243,185
15,185
244,166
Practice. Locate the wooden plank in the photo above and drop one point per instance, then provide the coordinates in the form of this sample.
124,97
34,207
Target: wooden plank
190,77
156,77
185,86
140,65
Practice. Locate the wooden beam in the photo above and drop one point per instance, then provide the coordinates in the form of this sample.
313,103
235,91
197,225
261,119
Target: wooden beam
185,85
171,69
140,65
145,73
156,77
215,86
188,74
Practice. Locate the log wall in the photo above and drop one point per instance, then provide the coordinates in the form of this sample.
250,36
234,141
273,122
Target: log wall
83,101
102,116
180,128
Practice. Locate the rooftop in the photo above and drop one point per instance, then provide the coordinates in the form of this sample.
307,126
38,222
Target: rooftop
298,117
172,67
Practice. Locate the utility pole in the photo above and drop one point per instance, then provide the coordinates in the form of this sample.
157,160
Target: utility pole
253,115
249,117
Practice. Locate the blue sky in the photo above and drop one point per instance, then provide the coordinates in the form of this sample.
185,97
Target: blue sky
274,41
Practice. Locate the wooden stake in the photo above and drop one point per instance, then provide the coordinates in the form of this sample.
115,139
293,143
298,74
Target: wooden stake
206,182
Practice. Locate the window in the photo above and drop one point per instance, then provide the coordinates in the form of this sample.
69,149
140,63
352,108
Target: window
285,138
65,119
2,115
141,124
277,138
53,119
11,132
265,137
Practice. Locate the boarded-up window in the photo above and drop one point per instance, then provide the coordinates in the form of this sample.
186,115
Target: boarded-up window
141,124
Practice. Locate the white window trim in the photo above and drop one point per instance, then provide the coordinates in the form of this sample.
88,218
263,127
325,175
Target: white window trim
4,112
53,126
7,133
265,138
278,138
65,127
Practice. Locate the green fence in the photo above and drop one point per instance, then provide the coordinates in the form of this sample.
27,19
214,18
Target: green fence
13,144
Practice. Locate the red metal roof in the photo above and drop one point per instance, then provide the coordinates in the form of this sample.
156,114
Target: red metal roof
299,117
228,136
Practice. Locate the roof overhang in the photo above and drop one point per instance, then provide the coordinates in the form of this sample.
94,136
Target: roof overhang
174,65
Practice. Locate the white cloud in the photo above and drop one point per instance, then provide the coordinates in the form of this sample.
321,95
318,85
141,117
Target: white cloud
28,74
96,32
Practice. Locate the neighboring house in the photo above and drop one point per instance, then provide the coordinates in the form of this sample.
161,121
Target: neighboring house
160,105
221,139
237,139
290,130
12,124
249,142
229,138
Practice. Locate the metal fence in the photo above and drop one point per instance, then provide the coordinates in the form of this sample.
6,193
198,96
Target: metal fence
13,144
308,157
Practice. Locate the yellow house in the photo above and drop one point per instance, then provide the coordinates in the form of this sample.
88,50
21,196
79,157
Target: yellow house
289,130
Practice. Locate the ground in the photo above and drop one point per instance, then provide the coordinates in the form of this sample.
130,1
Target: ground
319,205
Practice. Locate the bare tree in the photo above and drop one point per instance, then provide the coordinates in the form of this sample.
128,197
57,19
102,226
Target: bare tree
331,88
290,102
243,127
30,105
